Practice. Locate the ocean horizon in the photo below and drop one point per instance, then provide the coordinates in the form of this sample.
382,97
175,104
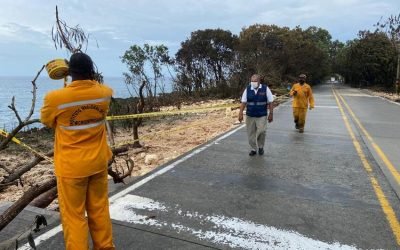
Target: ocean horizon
21,88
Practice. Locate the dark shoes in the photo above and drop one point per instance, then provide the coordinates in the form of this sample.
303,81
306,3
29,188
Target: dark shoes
252,153
297,125
260,152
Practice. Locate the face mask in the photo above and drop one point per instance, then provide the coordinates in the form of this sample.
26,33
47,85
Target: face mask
254,85
302,81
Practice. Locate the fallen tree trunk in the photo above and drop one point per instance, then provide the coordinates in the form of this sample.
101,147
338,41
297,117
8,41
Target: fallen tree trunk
44,200
20,204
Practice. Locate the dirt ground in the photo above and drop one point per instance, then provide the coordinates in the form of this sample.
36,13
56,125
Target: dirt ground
163,139
390,96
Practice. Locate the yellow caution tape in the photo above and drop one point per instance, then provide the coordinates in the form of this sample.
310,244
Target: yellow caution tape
5,134
168,113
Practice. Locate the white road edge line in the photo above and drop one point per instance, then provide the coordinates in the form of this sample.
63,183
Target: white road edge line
40,239
383,98
319,106
393,102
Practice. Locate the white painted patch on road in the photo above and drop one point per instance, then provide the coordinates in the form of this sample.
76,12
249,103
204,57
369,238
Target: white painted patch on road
228,231
144,203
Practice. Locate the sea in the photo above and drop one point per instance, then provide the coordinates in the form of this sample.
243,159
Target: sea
21,88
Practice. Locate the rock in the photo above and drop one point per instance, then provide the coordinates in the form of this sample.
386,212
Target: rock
142,155
150,159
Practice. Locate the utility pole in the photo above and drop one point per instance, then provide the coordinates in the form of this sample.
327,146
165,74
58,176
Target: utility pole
398,68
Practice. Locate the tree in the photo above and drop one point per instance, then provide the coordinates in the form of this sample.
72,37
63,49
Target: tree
260,50
145,65
281,53
369,60
335,51
392,27
205,60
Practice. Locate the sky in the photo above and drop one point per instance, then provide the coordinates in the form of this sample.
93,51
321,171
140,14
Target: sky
25,26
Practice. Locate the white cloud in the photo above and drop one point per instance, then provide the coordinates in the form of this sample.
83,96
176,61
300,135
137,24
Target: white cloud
15,33
116,25
163,42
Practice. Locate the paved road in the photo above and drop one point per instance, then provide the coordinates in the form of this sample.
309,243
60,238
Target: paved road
317,190
378,121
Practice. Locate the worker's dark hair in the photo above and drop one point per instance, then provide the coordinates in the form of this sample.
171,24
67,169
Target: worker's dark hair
80,64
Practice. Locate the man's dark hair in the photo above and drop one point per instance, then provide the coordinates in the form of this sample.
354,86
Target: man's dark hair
81,66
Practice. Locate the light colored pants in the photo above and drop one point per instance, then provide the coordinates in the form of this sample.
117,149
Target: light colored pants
256,129
90,194
299,115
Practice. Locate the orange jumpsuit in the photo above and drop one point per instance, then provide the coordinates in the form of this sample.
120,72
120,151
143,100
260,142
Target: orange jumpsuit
81,154
301,101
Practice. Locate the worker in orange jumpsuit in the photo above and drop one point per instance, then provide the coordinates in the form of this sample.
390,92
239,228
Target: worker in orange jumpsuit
81,154
302,100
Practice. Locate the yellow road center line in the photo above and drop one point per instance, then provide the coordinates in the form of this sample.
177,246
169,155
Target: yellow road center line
383,201
395,173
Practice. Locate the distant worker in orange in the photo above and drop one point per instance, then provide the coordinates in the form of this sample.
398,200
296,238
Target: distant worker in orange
302,100
81,154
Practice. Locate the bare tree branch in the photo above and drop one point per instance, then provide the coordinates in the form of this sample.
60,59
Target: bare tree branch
8,184
110,134
31,122
14,109
116,177
27,121
16,174
34,88
72,38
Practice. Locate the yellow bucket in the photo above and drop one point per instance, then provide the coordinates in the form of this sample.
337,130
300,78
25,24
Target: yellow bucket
57,69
